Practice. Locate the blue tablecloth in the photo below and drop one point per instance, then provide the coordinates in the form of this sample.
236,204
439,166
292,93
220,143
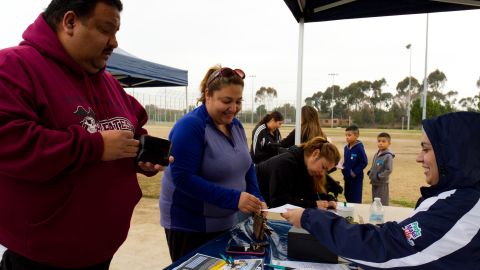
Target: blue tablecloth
242,234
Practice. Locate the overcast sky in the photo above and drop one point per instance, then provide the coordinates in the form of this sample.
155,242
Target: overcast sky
261,37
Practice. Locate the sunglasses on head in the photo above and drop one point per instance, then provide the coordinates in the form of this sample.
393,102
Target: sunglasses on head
226,73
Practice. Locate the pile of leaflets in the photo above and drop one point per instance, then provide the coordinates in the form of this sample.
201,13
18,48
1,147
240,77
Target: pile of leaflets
205,262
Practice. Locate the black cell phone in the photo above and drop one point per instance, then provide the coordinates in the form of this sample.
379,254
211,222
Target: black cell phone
248,250
154,150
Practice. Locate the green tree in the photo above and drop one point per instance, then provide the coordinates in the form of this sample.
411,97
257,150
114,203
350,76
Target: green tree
261,111
403,91
469,103
434,108
265,95
376,88
317,101
436,80
288,112
354,95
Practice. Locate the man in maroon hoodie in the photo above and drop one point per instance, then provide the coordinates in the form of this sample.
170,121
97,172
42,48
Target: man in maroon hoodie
69,135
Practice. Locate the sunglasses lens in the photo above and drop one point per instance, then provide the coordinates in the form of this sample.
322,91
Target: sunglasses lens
240,73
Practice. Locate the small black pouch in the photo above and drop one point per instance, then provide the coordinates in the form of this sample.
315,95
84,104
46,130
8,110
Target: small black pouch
154,150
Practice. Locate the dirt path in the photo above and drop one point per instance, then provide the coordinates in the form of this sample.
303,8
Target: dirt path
146,246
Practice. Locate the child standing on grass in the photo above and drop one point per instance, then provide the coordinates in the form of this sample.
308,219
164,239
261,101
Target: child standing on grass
382,167
355,160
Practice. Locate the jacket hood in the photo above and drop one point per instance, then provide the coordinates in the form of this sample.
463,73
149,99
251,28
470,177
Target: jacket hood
297,152
386,152
455,142
40,36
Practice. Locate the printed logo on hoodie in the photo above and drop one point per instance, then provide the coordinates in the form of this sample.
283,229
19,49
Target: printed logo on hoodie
89,121
412,231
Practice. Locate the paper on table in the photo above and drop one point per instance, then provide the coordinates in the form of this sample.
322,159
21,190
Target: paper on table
281,209
310,265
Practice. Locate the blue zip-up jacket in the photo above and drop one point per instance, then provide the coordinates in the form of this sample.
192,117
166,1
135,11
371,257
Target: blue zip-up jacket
443,231
354,160
201,188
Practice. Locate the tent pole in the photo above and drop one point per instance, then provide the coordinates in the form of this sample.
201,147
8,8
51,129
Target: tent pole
298,105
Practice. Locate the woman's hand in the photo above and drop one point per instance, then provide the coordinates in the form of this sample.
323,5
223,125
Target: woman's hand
332,205
322,204
294,216
264,206
249,203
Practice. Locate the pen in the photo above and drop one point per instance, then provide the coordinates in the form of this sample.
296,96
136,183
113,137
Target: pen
318,196
224,258
279,266
231,260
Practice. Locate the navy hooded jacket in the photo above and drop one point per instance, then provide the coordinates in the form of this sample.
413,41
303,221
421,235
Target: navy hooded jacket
442,232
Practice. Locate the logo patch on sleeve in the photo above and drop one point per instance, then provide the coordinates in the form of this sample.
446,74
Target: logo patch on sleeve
412,231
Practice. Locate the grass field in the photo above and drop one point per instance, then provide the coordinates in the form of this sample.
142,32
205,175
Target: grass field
405,180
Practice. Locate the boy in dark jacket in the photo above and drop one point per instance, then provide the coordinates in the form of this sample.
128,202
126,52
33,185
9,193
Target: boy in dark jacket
354,161
382,167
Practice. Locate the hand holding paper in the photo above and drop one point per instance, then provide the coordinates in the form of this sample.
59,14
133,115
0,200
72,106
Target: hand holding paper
281,209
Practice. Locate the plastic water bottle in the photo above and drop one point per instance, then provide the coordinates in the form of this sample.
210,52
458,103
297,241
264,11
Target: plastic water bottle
376,212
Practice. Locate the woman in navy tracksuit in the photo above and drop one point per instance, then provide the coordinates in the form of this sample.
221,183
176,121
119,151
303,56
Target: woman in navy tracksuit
442,232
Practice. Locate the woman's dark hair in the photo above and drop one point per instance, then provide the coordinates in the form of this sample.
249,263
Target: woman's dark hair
217,83
275,115
55,11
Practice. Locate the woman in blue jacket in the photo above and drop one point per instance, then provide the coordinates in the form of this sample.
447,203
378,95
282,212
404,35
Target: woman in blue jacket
213,176
442,232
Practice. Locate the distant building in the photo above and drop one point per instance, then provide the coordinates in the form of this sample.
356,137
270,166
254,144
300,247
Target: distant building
336,122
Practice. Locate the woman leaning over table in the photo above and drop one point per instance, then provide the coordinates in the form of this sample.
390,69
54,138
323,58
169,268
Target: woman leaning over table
298,176
212,176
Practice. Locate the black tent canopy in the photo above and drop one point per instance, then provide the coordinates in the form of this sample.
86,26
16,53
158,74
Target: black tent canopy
132,71
322,10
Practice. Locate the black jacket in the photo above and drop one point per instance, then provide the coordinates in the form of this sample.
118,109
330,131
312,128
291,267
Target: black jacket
264,144
289,141
284,179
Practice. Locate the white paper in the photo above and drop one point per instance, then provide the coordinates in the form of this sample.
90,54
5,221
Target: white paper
281,209
310,265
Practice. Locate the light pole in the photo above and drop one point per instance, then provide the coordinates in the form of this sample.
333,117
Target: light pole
425,81
333,88
409,47
253,96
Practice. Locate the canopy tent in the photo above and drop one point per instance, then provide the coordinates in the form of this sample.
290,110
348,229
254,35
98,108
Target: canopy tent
306,11
132,71
321,10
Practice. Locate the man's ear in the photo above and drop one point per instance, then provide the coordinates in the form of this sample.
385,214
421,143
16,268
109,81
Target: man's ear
68,22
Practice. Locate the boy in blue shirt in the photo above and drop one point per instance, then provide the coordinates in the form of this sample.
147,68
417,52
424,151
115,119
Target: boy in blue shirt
355,160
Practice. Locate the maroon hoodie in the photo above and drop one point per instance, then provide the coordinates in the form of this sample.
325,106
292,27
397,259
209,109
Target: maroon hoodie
59,203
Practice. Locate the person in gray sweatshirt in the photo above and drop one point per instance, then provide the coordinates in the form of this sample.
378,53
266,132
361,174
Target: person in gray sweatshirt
381,169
